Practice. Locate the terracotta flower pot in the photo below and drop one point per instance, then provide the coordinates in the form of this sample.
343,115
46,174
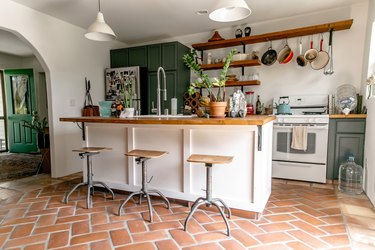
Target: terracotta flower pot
217,109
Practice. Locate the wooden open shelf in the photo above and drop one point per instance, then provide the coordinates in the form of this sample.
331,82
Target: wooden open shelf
310,30
241,83
234,64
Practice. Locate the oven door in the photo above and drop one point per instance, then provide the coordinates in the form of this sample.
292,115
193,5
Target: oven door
316,152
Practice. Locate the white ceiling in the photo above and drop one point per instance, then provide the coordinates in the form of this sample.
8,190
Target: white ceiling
147,20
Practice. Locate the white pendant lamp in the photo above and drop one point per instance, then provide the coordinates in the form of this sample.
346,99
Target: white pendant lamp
99,30
230,11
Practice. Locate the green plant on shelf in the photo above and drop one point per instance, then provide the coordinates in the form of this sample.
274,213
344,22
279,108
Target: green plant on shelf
36,124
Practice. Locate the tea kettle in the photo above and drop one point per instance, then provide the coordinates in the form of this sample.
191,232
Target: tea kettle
283,106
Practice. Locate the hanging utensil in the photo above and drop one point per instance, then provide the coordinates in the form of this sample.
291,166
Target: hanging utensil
322,59
270,56
301,59
328,70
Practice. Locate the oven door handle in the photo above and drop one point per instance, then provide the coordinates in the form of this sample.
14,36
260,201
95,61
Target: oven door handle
313,127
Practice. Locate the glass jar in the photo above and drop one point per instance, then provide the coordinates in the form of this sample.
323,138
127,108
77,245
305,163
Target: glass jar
350,177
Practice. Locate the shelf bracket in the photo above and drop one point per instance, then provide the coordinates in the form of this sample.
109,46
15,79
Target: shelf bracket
259,137
83,129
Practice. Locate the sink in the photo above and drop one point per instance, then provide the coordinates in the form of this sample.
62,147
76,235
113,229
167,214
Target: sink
164,116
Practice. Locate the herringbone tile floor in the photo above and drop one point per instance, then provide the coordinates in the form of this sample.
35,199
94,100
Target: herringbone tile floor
296,217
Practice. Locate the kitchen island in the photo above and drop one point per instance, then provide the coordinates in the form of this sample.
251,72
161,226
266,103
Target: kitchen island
244,184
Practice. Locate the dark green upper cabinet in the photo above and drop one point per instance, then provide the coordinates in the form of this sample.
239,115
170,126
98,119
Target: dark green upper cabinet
119,58
138,56
154,57
170,56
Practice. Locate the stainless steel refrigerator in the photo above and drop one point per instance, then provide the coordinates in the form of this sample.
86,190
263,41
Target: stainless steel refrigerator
136,76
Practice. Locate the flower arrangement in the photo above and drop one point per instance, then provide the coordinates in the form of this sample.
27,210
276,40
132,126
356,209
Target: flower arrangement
36,124
204,81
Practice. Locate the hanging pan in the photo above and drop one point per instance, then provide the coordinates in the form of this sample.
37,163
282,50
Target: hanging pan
322,59
301,61
311,54
270,56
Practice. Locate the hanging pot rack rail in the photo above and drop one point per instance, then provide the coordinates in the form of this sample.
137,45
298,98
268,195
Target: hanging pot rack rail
298,32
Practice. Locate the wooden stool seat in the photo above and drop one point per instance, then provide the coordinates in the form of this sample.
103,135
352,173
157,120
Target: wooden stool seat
208,161
142,156
211,159
88,152
146,153
91,149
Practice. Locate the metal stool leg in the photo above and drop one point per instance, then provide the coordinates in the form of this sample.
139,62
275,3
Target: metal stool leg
162,196
149,206
222,215
125,201
225,206
106,187
196,204
71,191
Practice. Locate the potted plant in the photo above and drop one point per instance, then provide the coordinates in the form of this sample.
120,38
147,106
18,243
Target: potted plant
127,98
41,128
217,98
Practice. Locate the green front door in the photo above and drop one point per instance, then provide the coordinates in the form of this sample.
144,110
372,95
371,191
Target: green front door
20,100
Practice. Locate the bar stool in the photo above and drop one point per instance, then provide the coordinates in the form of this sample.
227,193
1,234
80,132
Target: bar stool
142,157
209,160
88,152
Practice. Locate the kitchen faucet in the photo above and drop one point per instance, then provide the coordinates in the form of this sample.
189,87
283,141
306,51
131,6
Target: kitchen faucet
158,105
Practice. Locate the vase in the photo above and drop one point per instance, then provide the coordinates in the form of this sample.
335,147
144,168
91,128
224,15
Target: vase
127,112
217,109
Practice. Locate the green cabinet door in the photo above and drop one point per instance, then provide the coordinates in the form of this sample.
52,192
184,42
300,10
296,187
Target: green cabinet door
169,56
119,58
138,56
346,137
153,83
20,99
154,57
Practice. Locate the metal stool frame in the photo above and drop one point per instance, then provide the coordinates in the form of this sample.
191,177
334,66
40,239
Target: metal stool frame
144,192
90,183
209,201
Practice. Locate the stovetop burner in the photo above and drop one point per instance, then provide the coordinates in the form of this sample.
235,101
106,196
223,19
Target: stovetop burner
314,112
283,114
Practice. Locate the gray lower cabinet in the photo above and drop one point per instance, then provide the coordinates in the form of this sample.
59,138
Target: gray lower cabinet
346,137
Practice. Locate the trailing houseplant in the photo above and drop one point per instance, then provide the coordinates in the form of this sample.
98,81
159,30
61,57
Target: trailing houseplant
40,127
204,81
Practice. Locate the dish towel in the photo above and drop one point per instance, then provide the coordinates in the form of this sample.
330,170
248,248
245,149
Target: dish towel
299,138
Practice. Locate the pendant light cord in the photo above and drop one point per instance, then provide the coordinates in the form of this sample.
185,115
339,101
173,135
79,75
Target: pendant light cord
99,5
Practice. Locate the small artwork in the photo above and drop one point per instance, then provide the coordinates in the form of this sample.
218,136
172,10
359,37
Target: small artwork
116,79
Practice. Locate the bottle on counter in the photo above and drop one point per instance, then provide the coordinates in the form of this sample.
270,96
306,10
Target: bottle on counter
258,107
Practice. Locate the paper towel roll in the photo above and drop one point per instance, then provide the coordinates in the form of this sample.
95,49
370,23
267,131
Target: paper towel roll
174,106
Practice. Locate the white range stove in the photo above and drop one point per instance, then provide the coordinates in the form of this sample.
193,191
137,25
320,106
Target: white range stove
300,139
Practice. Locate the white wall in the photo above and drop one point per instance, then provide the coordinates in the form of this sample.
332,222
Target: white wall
66,57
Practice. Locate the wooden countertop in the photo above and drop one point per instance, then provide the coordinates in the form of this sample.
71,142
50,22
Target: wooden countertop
248,120
349,116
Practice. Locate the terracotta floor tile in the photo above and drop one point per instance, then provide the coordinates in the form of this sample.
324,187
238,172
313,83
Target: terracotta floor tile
86,238
308,228
120,237
101,245
310,211
271,247
166,245
231,245
273,237
297,245
81,227
19,221
149,236
136,226
58,239
273,227
286,203
181,237
209,246
334,229
71,219
335,219
40,246
22,230
46,220
249,227
201,217
209,236
218,226
177,216
309,219
138,246
307,239
26,240
282,210
245,239
337,240
331,211
6,229
98,218
51,228
279,217
38,205
108,226
164,225
193,226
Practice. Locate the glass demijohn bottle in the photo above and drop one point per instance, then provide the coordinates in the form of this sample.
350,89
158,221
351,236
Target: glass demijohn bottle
350,177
